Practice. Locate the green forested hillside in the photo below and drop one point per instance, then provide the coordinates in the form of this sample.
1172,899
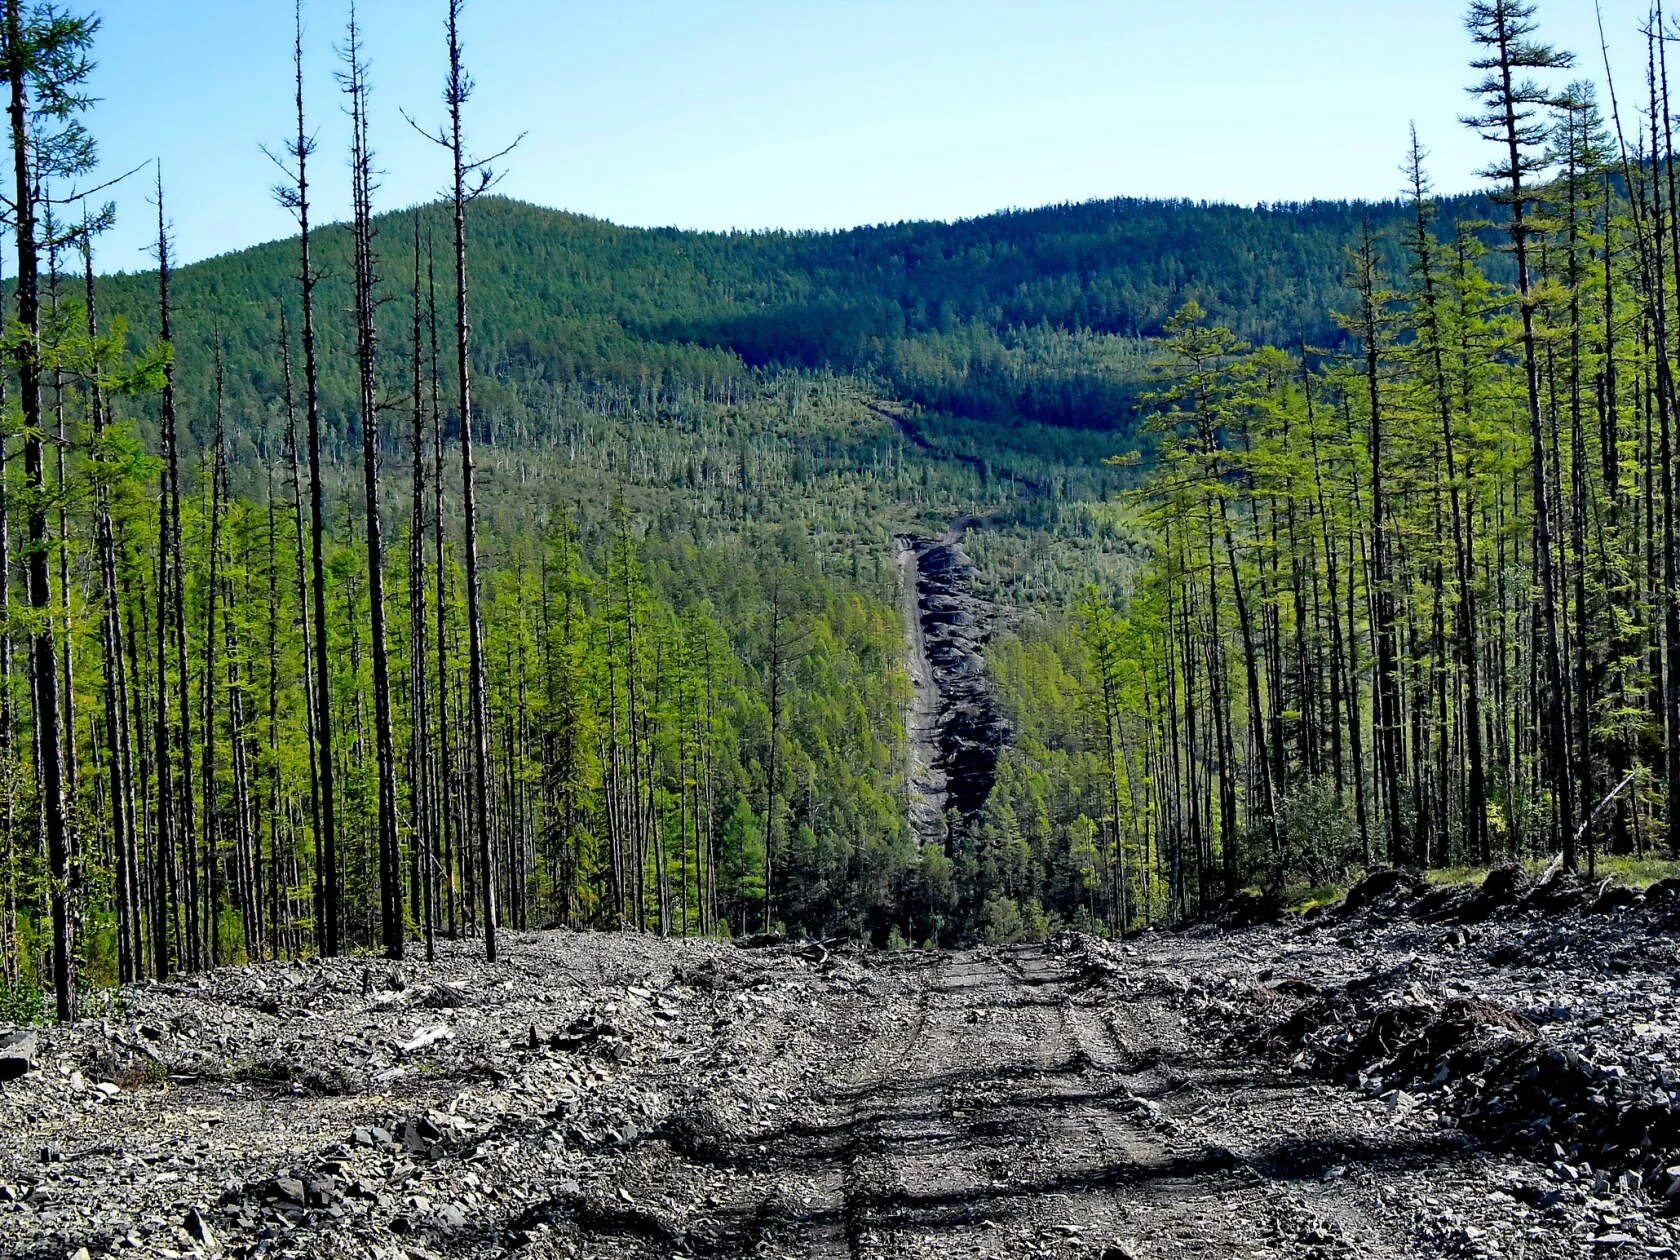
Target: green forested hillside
1032,313
687,505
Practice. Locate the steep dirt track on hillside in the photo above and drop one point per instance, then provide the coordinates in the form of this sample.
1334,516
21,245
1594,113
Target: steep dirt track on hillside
914,434
604,1096
925,780
954,727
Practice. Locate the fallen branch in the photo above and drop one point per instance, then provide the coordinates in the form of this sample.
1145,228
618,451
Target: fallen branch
425,1037
1588,821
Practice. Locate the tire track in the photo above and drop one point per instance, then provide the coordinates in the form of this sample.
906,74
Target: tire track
991,1103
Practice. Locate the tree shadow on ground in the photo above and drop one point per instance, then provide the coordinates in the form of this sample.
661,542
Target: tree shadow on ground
740,1229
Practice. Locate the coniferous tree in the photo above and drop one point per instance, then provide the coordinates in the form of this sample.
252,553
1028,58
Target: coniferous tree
1504,29
46,60
354,79
294,195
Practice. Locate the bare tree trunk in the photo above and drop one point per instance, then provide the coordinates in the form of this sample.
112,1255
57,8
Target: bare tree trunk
328,910
207,706
42,648
421,798
317,794
449,832
110,640
456,93
172,612
361,162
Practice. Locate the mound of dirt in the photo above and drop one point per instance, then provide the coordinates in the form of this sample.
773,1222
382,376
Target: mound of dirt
1489,1005
1389,893
1388,890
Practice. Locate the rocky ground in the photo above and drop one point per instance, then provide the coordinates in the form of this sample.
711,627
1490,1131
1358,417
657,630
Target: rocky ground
955,726
1475,1073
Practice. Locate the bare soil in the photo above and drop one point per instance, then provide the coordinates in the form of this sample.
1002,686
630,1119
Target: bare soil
618,1096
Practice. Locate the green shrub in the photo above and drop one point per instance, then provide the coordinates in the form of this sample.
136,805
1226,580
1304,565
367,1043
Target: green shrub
1001,922
21,1003
1317,835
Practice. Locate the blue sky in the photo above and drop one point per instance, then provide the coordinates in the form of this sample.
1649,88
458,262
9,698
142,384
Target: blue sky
810,113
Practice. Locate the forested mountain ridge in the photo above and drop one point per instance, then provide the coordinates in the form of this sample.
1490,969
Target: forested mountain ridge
1032,313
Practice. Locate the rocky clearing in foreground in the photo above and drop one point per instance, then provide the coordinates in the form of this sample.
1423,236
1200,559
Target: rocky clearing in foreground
1426,1073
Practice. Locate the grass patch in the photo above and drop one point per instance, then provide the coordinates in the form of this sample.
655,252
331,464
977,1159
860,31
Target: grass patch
1460,876
1302,898
22,1003
1634,872
1637,872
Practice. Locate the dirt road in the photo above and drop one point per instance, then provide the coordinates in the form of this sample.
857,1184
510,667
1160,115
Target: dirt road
925,780
605,1096
999,1111
955,729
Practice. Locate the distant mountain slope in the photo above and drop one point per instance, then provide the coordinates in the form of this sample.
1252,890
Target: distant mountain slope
1119,266
1033,312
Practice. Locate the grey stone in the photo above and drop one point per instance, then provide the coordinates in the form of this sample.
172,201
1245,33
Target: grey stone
17,1054
199,1230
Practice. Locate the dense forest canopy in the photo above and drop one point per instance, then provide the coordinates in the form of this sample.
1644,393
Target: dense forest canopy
1043,314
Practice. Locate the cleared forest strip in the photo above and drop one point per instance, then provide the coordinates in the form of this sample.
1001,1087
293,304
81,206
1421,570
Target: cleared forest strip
955,728
925,781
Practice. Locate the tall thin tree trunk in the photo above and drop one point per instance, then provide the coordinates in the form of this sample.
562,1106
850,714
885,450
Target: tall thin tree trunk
27,364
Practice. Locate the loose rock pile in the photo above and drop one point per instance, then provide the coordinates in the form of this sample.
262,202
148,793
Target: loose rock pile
956,625
1540,1016
1489,1070
346,1108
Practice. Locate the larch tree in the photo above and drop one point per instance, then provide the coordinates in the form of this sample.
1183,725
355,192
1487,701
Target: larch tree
46,62
294,195
470,177
1511,118
354,81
